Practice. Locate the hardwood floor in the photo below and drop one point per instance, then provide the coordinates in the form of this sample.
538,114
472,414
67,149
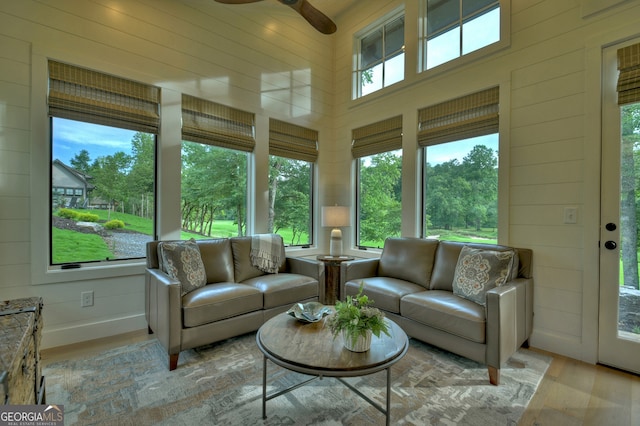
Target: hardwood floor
571,393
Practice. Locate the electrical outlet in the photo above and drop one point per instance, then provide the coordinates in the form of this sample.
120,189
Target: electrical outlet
86,299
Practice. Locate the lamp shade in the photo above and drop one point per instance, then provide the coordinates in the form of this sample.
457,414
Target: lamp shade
336,216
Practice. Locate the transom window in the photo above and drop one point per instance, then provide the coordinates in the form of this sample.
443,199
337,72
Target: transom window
454,28
380,56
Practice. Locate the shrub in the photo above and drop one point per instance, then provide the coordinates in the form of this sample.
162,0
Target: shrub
88,217
68,214
114,224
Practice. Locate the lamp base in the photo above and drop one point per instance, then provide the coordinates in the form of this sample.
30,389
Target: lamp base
335,247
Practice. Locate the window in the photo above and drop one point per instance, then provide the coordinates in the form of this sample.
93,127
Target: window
454,28
293,153
378,154
102,182
217,141
460,141
380,54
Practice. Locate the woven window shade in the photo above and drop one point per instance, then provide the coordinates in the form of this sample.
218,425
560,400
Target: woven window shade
629,76
215,124
291,141
85,95
465,117
383,136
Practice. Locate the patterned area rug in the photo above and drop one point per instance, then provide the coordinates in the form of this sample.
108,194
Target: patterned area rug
221,384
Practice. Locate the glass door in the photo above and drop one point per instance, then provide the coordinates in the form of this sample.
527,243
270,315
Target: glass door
619,312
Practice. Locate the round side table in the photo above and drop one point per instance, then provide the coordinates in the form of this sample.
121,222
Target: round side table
332,277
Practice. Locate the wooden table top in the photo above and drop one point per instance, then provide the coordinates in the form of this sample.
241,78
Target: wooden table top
310,348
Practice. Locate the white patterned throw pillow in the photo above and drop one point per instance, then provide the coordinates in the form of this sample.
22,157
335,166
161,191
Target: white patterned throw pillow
181,260
479,270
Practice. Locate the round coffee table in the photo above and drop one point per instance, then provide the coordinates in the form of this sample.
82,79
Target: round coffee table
310,348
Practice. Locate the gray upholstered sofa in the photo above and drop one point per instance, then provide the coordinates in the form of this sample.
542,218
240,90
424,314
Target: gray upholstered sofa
237,298
412,282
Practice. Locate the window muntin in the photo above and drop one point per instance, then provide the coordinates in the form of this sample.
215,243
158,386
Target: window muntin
291,200
379,198
213,191
454,28
380,57
460,190
102,192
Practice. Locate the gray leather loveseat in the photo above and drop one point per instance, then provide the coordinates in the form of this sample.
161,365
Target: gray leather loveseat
413,283
237,298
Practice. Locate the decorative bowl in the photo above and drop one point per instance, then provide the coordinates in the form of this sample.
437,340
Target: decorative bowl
309,312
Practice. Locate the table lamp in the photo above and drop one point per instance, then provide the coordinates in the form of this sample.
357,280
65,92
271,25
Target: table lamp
335,217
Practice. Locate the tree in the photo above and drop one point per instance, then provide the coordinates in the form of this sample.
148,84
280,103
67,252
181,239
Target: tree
630,129
81,161
289,197
380,197
140,179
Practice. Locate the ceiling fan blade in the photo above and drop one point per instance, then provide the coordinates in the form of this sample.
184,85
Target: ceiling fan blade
237,1
317,19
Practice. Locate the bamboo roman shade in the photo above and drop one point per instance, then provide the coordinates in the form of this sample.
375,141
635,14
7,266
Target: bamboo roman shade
215,124
383,136
629,76
461,118
85,95
291,141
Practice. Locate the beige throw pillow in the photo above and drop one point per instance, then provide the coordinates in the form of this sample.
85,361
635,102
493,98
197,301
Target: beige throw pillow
181,260
478,271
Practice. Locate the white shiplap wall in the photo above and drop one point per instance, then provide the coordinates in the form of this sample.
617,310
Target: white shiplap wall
548,77
236,55
548,150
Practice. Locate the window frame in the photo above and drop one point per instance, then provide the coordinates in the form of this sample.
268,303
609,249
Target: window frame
38,248
357,70
312,185
504,42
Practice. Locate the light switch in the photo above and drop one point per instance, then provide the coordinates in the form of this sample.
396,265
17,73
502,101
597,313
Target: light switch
570,215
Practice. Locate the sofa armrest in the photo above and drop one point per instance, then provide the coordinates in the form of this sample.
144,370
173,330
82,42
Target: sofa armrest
164,309
355,269
309,267
509,318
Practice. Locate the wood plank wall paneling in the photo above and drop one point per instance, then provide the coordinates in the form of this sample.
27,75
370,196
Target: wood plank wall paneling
263,58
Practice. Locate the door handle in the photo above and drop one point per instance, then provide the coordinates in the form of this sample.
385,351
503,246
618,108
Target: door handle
610,226
610,245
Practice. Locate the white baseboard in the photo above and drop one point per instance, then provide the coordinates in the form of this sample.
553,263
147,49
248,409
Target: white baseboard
68,335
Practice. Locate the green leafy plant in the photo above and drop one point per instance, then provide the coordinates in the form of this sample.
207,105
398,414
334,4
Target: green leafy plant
68,214
355,316
114,224
88,217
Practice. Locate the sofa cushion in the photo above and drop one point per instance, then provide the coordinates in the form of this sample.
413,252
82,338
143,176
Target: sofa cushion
409,259
217,259
215,302
478,271
385,292
445,311
243,269
181,260
283,289
446,260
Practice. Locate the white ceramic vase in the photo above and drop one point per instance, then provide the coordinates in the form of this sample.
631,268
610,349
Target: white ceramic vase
362,344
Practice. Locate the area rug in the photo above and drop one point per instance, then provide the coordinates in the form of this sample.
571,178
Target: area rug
221,384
